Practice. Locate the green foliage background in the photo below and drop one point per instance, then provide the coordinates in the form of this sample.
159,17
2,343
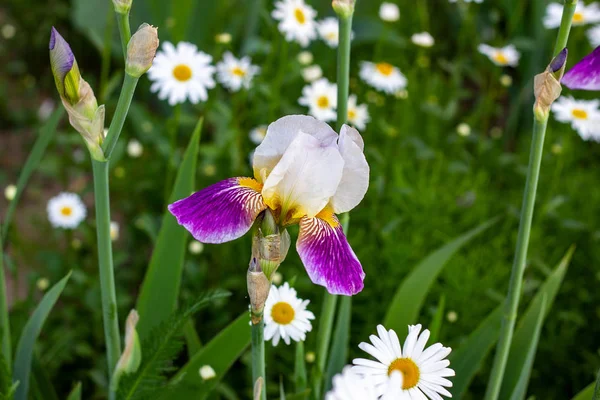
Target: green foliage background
428,184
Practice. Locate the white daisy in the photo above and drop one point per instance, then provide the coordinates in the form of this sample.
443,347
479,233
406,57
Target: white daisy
503,56
350,386
583,115
181,73
321,99
305,57
286,316
312,73
296,21
195,247
382,76
424,370
134,148
236,73
329,31
589,14
593,35
467,1
389,12
423,39
10,192
257,135
66,210
358,114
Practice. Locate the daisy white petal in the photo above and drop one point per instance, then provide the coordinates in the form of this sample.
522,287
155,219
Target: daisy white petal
234,73
66,211
501,56
296,21
382,76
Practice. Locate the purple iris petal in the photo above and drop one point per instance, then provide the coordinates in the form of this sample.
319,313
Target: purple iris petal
61,60
585,75
328,257
221,212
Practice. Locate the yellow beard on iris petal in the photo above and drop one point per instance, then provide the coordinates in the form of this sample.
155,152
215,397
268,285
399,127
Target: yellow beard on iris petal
328,216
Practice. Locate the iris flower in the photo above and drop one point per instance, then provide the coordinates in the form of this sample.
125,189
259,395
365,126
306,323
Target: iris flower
304,173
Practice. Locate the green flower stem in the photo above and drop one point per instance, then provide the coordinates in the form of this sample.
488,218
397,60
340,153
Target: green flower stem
518,268
565,26
118,120
105,263
343,69
258,354
324,339
105,69
5,328
124,31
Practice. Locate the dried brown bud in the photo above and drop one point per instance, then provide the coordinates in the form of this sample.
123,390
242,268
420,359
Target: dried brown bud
546,86
141,50
258,289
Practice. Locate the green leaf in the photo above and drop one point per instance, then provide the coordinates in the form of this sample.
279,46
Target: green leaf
33,160
159,349
31,331
281,389
521,341
4,319
408,300
338,352
5,377
532,324
75,393
300,368
587,393
41,387
467,360
436,322
220,353
160,289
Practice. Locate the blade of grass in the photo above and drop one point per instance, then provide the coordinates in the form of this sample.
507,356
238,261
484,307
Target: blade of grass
436,322
338,354
160,289
31,331
5,328
75,393
300,368
587,393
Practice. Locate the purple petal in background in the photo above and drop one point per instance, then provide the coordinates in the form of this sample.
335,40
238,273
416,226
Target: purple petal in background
585,75
221,212
328,257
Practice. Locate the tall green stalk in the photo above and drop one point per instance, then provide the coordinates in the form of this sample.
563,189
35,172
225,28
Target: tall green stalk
518,268
323,341
105,263
124,31
258,356
116,125
343,69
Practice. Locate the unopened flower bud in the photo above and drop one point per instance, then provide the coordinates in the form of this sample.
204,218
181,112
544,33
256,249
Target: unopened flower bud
258,290
546,86
131,358
343,8
64,67
141,50
270,245
122,6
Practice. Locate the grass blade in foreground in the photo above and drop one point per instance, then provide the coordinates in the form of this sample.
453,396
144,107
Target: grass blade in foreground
4,319
587,393
47,132
31,331
408,300
160,289
467,359
75,393
220,353
338,354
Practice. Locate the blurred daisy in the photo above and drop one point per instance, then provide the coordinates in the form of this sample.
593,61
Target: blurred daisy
321,99
195,247
583,115
207,372
350,386
467,1
593,35
503,56
424,370
134,148
329,31
423,39
181,73
296,21
286,316
589,14
358,115
257,135
10,192
312,73
223,38
389,12
66,211
305,57
114,230
382,76
235,73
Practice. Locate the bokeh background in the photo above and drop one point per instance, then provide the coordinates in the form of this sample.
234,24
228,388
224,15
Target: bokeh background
428,183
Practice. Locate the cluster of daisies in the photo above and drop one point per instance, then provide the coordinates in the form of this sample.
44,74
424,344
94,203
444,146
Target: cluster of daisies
180,73
409,371
584,15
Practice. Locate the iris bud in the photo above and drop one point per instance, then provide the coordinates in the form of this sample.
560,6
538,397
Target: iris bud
131,358
141,50
343,8
122,6
547,86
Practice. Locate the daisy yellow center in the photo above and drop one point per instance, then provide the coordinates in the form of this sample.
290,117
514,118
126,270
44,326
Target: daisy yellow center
578,17
66,211
182,72
500,58
237,71
410,372
282,313
384,68
300,17
351,114
331,36
579,113
323,102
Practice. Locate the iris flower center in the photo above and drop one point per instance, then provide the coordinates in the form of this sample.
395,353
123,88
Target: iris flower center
282,313
182,72
237,71
578,17
66,211
579,113
410,372
323,102
299,14
500,58
384,68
